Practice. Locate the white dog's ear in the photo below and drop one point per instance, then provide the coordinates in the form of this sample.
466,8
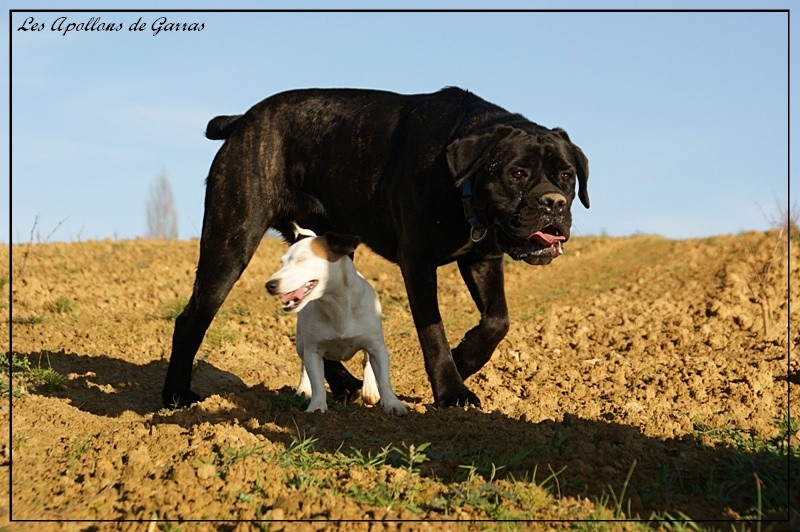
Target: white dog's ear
300,233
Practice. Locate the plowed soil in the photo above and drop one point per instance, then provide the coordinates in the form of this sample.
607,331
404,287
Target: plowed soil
638,380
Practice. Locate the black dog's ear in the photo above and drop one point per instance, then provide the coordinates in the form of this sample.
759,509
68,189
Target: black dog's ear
465,155
582,164
340,245
583,175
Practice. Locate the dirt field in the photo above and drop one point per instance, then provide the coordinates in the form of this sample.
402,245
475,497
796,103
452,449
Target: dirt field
637,381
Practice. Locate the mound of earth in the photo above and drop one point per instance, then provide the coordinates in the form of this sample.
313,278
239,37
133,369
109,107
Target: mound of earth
638,368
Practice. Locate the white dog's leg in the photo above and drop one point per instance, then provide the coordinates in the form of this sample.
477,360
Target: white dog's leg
304,388
379,359
312,362
369,390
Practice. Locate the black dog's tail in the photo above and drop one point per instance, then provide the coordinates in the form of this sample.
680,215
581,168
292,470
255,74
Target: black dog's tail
220,127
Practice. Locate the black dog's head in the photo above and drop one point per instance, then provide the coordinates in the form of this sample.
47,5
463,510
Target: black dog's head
523,183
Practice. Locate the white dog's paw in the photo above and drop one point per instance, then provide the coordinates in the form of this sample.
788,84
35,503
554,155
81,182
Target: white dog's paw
302,392
394,406
317,406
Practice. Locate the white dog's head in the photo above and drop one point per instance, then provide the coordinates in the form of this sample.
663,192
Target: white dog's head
306,267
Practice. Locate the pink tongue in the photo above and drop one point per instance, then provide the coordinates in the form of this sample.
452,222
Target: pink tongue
291,296
546,239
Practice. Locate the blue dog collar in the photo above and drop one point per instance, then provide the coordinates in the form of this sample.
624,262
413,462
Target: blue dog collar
477,231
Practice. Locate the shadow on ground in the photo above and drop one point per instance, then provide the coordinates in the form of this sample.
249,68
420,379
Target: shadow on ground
574,457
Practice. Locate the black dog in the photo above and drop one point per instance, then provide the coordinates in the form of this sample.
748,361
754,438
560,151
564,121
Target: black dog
423,179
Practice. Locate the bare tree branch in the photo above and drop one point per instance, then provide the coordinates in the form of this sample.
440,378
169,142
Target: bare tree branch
162,220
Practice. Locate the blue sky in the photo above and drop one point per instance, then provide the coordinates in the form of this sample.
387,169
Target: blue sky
683,116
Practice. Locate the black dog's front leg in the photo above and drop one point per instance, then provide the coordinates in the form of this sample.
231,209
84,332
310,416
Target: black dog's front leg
484,279
448,386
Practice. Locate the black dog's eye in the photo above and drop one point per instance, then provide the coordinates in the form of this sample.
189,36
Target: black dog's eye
518,173
565,176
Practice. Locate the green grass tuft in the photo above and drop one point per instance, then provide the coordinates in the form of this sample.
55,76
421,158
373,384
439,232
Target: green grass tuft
174,308
217,337
62,305
757,464
27,320
25,377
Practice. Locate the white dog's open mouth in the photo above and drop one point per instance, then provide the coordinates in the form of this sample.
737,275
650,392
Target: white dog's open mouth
291,300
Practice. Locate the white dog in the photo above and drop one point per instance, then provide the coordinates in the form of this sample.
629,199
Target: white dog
338,315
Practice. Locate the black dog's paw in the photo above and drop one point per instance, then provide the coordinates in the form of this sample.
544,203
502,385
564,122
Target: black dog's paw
461,396
346,395
347,391
174,400
344,387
